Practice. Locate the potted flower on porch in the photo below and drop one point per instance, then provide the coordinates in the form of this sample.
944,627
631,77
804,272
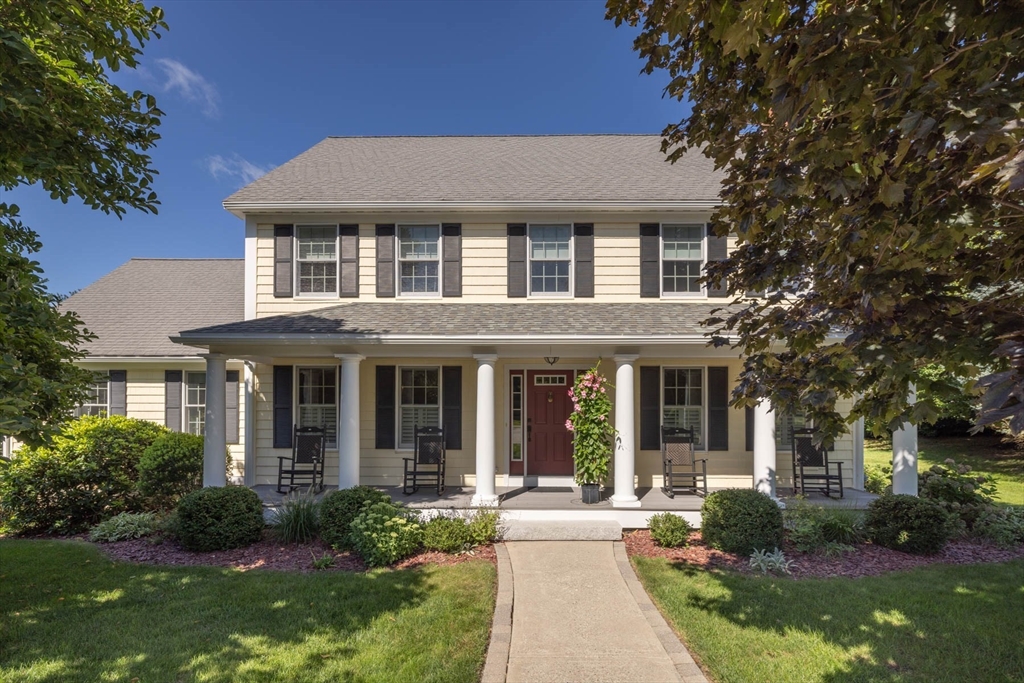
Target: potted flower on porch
592,432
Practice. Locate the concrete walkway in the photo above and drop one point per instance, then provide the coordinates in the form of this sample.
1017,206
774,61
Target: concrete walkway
579,614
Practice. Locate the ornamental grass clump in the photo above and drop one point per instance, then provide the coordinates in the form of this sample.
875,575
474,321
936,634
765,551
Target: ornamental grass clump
591,428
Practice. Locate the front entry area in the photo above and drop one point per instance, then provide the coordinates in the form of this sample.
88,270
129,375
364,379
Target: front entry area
540,407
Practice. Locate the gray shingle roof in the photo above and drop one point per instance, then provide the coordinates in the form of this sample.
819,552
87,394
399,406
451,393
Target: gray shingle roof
133,309
486,168
462,319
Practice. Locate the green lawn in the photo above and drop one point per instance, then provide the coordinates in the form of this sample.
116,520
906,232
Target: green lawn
67,613
934,624
982,453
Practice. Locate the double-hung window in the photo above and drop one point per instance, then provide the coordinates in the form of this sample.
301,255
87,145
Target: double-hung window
682,258
419,402
195,403
550,259
316,257
419,257
684,400
97,400
785,424
318,400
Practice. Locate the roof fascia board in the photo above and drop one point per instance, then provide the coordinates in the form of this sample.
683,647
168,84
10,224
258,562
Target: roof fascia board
241,208
535,340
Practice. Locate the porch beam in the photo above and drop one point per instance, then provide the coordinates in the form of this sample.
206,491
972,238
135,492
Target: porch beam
904,454
485,495
348,421
625,439
215,430
765,460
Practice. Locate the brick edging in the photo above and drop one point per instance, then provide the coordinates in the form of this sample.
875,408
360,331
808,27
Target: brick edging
687,669
496,663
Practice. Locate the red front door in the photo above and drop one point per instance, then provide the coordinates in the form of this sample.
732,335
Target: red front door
548,442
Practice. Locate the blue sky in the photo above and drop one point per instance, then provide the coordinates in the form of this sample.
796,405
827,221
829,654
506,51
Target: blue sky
248,85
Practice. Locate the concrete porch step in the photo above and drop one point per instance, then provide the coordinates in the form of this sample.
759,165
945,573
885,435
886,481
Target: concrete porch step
579,530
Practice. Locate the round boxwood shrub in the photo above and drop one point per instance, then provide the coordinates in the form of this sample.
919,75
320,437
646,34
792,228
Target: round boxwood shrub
669,530
219,518
339,508
172,466
908,523
741,521
447,534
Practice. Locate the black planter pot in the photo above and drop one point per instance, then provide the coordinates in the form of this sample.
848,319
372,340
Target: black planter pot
591,494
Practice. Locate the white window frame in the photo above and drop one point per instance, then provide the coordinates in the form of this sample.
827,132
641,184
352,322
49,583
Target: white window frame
398,403
703,400
529,262
337,398
185,404
661,259
780,430
299,294
104,407
398,261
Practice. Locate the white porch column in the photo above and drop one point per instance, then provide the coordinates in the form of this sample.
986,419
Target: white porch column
485,492
904,454
215,435
625,440
764,448
348,421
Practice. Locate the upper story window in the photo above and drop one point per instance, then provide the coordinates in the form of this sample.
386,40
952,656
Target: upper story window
419,256
684,401
550,253
195,403
316,257
682,259
98,398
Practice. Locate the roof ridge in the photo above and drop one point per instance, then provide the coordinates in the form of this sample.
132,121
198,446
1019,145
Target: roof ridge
186,258
497,135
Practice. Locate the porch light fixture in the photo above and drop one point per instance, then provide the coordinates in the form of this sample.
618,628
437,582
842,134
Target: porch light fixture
550,360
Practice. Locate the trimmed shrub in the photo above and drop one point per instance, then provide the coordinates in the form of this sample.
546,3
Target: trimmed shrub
669,530
813,528
88,474
383,533
961,494
1004,526
219,518
484,527
908,524
741,521
298,518
447,534
877,478
172,466
339,508
124,527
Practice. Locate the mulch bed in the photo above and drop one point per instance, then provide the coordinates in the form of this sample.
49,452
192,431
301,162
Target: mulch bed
271,554
865,560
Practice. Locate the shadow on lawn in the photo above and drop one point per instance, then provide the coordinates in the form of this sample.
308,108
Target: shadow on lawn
933,624
95,619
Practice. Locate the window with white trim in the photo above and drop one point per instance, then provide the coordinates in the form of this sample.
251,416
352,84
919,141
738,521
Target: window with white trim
682,258
318,400
97,401
419,259
419,398
195,403
316,258
684,400
550,259
785,424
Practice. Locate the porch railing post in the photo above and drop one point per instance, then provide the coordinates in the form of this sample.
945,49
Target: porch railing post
625,438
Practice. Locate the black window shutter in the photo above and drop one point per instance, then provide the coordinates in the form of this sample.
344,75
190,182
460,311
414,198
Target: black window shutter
718,408
283,277
172,400
516,260
385,407
650,408
385,260
283,406
451,236
348,260
718,250
650,264
451,417
231,406
118,392
748,414
583,234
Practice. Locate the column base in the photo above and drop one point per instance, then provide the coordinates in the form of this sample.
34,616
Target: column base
479,501
625,501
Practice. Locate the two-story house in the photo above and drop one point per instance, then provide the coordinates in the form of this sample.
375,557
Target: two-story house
462,281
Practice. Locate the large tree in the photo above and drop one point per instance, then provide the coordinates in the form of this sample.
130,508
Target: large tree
64,125
873,153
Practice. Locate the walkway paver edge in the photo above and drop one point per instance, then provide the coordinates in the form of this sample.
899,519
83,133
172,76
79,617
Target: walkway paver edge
687,669
496,664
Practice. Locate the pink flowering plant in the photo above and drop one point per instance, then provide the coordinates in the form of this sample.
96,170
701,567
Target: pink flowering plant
591,428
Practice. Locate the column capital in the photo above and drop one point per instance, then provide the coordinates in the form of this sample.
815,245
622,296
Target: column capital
485,357
214,356
623,358
350,357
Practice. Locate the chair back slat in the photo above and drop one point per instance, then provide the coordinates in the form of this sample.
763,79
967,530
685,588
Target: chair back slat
805,452
308,445
429,445
677,445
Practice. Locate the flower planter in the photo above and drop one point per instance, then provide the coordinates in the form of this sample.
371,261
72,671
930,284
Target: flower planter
591,494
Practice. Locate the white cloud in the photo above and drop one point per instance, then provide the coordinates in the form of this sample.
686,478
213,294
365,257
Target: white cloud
190,85
234,166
